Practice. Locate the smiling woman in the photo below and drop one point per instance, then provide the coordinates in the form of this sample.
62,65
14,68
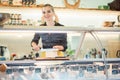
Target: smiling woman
49,40
48,12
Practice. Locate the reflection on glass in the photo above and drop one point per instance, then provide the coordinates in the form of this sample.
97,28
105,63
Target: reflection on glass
19,43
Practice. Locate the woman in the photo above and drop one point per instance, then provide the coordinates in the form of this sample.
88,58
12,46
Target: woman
50,40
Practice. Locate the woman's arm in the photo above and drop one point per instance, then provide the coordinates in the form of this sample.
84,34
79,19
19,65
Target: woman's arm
35,41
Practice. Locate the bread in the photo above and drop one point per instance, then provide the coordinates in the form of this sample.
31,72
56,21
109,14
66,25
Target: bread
3,67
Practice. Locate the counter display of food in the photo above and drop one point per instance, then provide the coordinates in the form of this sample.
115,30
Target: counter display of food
62,68
87,69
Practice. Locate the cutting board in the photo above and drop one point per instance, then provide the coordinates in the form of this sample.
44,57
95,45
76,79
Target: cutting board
51,59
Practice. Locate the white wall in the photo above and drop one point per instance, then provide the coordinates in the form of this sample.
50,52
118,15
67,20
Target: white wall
68,17
85,18
83,3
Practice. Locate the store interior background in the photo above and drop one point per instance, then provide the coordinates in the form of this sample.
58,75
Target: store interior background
69,17
19,42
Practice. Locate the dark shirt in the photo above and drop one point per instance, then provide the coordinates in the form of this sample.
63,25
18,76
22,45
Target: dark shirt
56,24
51,39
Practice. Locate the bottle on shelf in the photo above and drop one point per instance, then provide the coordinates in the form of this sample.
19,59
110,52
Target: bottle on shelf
10,2
15,19
19,19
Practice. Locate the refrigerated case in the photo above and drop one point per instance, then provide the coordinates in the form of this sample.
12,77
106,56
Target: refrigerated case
77,68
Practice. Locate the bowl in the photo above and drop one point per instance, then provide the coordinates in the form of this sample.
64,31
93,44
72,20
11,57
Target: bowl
4,17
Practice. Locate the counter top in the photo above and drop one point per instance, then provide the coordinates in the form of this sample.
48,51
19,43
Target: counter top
55,62
58,28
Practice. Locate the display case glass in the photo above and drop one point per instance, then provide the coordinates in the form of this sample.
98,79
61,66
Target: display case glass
88,53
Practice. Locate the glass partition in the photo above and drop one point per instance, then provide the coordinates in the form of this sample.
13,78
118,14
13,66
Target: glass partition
19,44
84,45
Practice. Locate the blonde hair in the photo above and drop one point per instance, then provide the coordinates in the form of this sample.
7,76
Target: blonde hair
56,17
49,5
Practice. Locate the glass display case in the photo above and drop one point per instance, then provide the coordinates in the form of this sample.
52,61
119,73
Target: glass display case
89,55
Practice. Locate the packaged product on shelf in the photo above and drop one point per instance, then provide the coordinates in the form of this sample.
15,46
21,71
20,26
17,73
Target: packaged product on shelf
5,2
17,2
28,2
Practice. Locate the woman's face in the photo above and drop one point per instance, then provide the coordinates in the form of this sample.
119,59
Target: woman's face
47,13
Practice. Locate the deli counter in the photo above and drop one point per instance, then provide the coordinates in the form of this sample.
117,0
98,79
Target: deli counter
89,55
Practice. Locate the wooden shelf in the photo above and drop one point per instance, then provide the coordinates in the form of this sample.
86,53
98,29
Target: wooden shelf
81,10
39,6
50,59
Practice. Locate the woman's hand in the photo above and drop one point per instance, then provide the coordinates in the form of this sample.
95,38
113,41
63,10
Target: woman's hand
35,46
59,47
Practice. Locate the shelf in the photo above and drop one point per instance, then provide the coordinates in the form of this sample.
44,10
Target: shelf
91,61
40,6
64,8
54,62
53,28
